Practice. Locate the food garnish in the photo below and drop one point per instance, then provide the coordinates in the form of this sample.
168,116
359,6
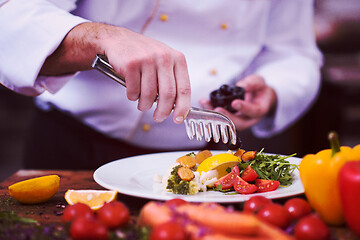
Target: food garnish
35,190
95,199
244,172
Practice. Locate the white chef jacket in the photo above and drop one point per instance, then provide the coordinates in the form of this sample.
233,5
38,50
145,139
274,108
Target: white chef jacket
221,40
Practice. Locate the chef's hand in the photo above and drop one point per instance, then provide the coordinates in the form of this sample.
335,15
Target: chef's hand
149,66
260,99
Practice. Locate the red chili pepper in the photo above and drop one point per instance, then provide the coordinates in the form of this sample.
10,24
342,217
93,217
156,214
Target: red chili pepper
349,184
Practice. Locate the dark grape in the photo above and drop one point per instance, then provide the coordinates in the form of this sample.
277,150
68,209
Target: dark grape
223,96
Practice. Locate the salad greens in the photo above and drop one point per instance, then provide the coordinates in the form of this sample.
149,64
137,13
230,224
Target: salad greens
272,167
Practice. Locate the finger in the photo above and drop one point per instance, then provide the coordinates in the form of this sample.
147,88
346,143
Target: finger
148,91
167,88
241,122
132,76
183,90
206,104
249,109
252,83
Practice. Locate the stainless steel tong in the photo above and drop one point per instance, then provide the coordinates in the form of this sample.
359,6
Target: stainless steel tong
199,123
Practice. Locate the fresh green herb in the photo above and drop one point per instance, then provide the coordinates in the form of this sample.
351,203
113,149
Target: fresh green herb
192,154
178,186
272,167
13,226
219,188
12,217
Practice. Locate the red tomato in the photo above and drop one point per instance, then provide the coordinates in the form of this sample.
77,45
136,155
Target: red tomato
175,202
227,181
349,185
168,231
76,210
311,227
236,170
249,174
297,207
255,203
114,214
266,185
83,228
275,214
243,187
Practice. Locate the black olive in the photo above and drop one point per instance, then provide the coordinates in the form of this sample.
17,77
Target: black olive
223,96
235,147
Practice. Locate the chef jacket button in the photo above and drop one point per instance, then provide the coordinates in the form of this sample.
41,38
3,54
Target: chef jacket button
164,17
213,72
146,127
224,26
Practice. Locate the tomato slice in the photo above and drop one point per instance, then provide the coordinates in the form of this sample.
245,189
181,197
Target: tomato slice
264,185
249,174
243,187
227,181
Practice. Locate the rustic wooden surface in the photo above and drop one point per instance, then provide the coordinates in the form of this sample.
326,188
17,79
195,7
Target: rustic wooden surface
50,212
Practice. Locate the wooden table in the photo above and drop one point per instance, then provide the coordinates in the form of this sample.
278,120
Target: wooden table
50,212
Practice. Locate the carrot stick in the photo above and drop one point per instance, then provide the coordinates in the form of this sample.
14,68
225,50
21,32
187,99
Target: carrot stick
221,220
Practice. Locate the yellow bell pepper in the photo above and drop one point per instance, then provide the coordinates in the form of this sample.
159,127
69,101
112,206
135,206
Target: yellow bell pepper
319,175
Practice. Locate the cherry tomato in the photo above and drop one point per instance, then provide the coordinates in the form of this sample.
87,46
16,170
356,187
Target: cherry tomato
249,174
244,187
228,180
168,231
84,228
175,202
255,203
297,207
266,185
76,210
114,214
311,227
275,214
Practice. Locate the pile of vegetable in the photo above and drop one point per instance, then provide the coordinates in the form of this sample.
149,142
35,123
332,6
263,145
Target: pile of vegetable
257,172
331,179
260,218
111,221
251,172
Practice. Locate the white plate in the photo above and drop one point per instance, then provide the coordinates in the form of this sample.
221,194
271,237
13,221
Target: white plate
134,176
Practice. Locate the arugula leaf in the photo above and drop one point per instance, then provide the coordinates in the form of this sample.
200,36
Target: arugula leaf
272,167
219,188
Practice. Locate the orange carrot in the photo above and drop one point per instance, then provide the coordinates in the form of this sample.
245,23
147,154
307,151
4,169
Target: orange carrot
210,221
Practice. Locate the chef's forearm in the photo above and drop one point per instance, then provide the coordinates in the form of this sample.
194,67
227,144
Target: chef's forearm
77,50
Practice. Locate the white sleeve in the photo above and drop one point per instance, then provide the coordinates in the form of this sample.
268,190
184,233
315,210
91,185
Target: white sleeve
290,63
30,32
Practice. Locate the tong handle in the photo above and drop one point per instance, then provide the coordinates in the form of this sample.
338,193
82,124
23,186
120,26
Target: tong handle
101,64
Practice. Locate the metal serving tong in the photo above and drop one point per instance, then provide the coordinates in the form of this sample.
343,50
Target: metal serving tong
199,123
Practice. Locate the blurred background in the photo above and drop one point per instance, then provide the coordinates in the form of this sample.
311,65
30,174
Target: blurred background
337,25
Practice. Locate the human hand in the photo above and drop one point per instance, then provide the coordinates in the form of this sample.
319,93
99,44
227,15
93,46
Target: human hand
259,100
150,68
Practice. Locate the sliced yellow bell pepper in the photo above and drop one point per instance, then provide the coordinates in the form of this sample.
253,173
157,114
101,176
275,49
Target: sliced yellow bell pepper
319,175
